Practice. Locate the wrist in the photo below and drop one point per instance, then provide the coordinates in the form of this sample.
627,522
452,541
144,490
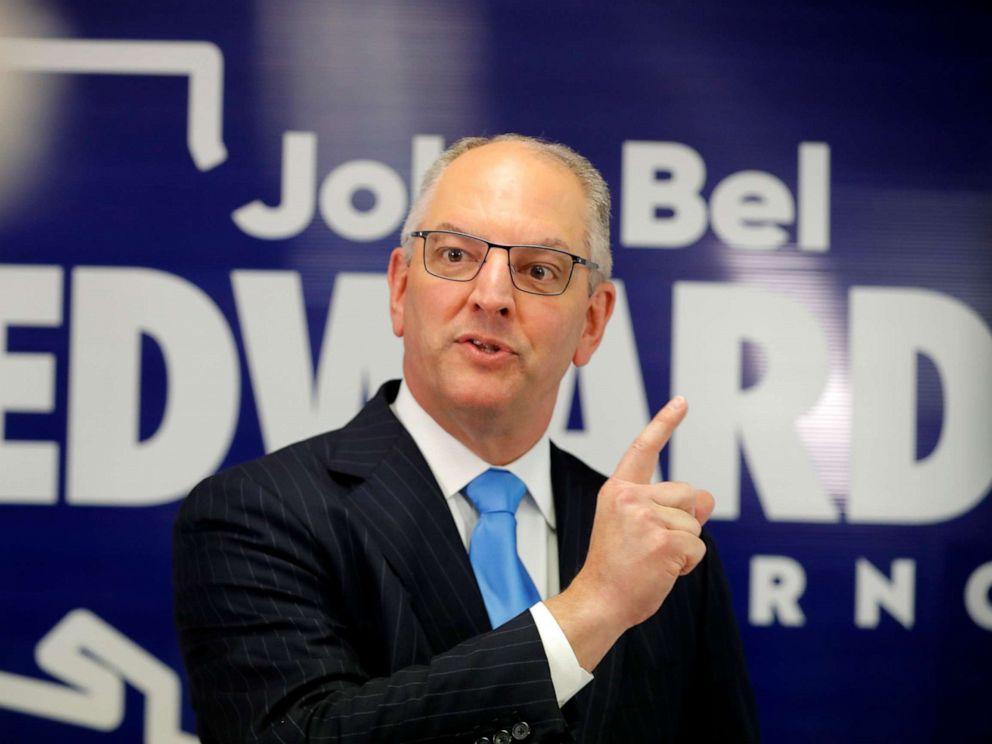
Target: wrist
589,621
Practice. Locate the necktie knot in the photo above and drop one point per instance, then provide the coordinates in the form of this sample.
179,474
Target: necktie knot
496,491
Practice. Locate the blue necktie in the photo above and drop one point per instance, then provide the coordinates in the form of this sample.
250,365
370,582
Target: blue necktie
506,586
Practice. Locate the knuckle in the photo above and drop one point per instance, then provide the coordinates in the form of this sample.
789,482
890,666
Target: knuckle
627,496
640,445
678,495
696,555
661,541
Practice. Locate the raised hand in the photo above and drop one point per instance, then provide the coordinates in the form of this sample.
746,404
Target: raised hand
644,537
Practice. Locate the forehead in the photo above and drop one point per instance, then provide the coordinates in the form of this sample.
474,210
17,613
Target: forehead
509,192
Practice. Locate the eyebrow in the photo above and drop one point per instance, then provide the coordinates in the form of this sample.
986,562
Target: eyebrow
547,242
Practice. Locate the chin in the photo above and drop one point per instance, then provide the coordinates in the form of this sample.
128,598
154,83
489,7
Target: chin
472,392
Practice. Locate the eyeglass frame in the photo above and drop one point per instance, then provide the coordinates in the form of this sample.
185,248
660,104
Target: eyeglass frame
591,265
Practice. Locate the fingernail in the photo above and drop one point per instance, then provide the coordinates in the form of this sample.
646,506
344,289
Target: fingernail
677,403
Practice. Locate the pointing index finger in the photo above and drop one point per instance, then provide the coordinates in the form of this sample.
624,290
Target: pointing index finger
640,460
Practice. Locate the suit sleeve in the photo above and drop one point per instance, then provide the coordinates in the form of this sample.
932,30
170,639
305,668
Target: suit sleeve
271,642
722,707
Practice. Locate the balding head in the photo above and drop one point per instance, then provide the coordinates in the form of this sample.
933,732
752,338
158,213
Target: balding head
597,194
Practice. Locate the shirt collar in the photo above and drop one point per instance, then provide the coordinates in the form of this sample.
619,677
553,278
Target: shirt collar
454,465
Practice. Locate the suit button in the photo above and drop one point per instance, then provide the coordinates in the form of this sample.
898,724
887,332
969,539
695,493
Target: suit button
501,737
520,730
483,740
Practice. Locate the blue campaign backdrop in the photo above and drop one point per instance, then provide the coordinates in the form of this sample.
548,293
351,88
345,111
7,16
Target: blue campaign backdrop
197,202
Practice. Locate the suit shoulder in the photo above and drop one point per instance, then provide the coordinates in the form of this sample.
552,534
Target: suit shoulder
276,469
293,479
352,451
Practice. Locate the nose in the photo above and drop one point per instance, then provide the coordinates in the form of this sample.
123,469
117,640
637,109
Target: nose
492,289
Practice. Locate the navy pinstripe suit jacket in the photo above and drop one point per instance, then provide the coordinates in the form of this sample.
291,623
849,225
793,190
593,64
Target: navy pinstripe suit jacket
323,594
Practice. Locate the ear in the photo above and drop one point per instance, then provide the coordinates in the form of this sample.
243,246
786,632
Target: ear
598,313
396,276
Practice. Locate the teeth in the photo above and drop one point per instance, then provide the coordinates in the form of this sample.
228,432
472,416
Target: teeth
485,347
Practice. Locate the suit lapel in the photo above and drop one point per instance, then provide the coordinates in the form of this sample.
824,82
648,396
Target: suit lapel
575,489
405,510
403,507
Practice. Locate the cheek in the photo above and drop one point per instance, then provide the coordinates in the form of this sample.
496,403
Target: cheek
576,321
560,334
416,331
427,312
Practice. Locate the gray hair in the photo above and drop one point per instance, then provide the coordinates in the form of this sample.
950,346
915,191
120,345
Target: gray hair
597,238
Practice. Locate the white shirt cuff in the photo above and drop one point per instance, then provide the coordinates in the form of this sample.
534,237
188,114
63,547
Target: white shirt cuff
566,674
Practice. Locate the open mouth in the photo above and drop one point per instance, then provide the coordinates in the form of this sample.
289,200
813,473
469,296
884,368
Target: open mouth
487,345
487,348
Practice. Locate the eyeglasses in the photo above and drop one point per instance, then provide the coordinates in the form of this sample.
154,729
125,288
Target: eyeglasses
535,269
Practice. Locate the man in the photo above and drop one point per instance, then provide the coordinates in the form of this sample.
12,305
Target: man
347,588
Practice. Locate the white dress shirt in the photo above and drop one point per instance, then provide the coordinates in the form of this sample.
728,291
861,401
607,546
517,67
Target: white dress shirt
454,466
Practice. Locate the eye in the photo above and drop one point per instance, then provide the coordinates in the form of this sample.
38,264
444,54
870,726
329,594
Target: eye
540,272
450,249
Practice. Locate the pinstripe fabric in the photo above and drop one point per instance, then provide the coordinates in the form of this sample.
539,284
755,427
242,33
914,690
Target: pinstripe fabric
323,594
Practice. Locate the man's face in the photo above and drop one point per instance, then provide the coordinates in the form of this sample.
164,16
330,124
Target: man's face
508,194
